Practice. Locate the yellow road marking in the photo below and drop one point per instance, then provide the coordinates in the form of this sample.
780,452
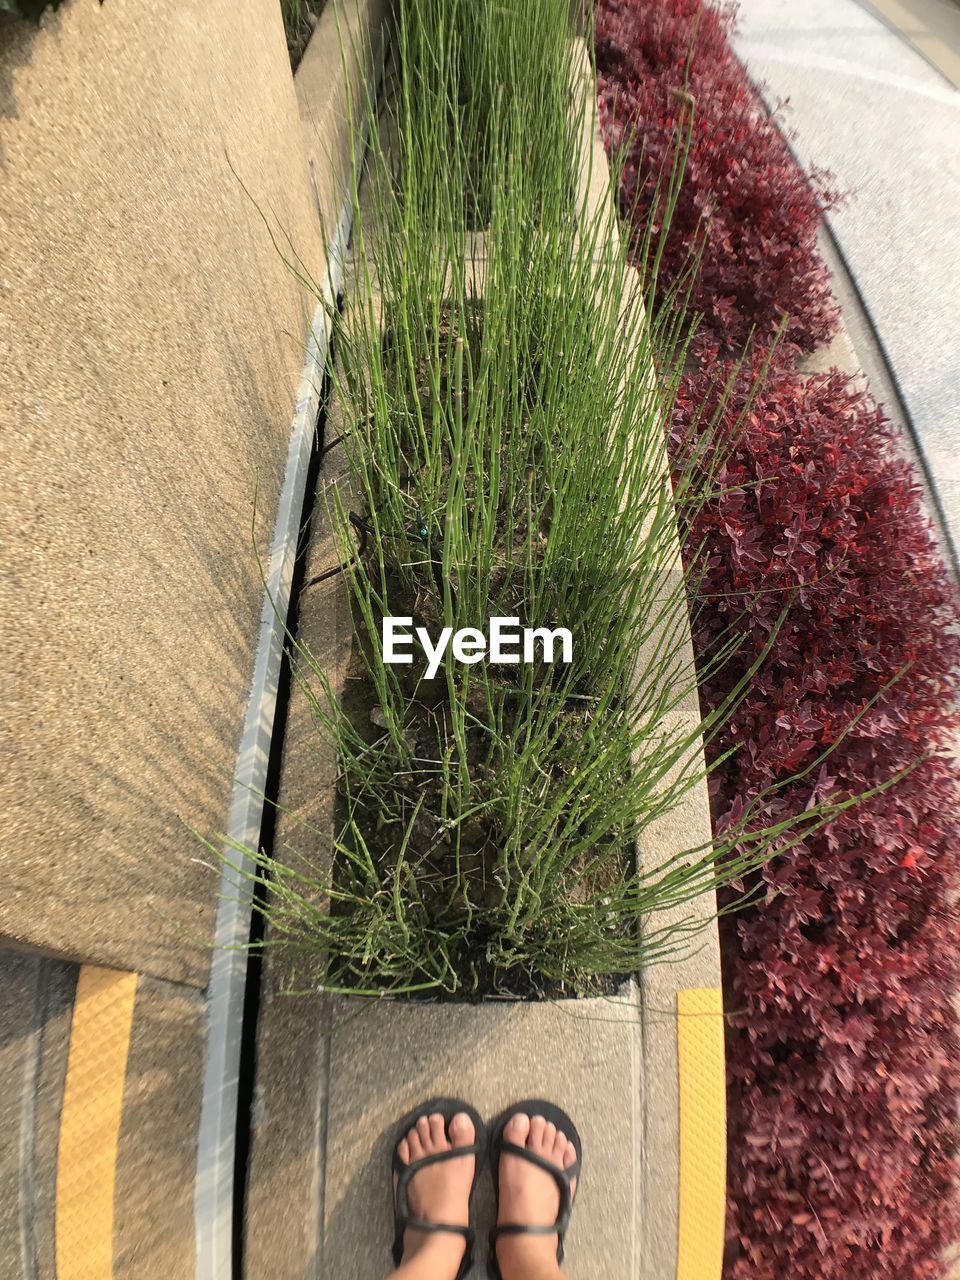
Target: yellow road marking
703,1134
90,1123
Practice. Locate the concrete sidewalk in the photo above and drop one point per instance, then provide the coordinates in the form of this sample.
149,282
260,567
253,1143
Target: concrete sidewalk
931,26
868,106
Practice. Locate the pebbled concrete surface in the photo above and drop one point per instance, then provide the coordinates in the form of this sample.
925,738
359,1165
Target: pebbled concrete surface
866,105
151,340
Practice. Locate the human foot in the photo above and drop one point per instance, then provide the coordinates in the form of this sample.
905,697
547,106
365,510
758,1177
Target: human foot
439,1192
530,1196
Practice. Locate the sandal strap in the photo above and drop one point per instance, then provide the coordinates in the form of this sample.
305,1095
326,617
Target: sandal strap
562,1177
467,1234
420,1224
524,1229
406,1172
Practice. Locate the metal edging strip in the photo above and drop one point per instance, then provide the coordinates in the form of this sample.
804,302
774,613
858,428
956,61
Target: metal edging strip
216,1140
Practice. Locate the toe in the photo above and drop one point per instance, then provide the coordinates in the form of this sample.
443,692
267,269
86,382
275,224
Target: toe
537,1127
568,1158
414,1146
423,1129
560,1145
403,1150
462,1131
549,1137
438,1132
517,1129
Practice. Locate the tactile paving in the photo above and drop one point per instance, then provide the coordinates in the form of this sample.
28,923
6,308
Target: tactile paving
703,1133
90,1123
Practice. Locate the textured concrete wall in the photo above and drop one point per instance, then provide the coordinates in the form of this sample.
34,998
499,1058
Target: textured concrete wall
150,348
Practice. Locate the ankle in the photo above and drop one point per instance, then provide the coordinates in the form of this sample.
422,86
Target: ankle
438,1252
528,1258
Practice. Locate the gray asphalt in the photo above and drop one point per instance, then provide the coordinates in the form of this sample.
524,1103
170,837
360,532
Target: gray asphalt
867,106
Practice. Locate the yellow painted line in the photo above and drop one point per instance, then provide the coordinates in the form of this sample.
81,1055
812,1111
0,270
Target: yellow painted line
90,1123
703,1134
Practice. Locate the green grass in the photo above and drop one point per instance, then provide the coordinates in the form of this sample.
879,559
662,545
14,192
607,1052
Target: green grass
506,448
293,14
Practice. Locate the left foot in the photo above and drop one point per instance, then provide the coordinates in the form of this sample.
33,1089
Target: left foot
440,1192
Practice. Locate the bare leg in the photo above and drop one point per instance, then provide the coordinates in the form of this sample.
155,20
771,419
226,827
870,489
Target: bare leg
438,1260
438,1193
530,1195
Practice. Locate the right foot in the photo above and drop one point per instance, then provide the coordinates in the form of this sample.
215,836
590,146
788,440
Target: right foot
531,1196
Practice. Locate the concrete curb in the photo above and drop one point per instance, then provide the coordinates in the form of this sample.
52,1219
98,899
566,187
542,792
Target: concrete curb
683,1094
930,27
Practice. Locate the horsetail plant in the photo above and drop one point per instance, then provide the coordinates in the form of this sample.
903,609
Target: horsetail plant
505,433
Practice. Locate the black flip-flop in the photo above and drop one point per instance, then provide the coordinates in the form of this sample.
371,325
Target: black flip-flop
563,1177
402,1218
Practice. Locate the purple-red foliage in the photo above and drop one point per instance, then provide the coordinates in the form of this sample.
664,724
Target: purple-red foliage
742,194
843,1058
843,1054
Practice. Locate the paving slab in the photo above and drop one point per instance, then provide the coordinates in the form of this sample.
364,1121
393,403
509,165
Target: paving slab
17,1065
141,1214
866,105
385,1058
156,1154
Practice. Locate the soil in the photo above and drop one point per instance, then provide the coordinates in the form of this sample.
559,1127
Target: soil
299,33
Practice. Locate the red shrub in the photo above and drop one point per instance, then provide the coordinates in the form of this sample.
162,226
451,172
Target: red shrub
843,1055
843,1058
743,193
